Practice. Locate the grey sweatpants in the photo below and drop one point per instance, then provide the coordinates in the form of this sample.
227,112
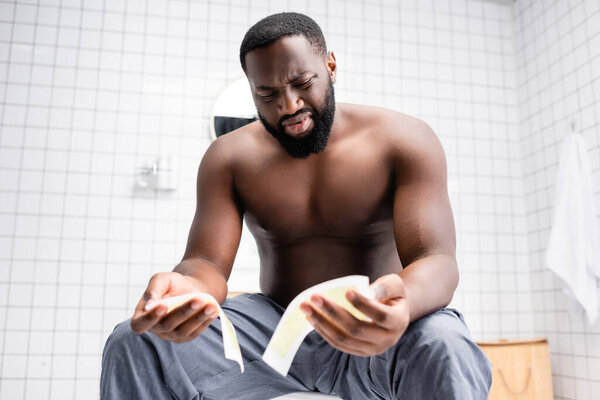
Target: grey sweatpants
434,359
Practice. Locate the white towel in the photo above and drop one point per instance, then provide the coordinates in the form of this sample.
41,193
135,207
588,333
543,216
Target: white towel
574,247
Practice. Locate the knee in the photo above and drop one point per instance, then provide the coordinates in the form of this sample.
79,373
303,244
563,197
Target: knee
122,341
444,333
435,359
445,348
129,365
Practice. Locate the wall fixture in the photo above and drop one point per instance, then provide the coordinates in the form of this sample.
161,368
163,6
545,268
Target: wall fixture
159,175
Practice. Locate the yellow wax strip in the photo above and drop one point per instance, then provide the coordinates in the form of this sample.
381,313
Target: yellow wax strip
230,342
293,326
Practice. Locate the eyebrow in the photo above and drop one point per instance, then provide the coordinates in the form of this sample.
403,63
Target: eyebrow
295,78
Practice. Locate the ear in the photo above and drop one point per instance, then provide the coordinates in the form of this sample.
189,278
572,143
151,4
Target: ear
331,65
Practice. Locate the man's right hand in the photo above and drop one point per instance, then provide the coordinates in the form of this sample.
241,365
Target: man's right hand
183,323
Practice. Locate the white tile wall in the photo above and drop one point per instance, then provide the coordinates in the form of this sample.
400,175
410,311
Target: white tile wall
90,91
558,72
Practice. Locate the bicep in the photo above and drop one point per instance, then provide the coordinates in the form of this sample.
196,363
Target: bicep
423,221
217,225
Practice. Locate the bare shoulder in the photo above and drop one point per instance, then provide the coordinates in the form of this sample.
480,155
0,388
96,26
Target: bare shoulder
404,136
234,147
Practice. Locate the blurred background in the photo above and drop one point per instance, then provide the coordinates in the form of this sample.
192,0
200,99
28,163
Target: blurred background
96,93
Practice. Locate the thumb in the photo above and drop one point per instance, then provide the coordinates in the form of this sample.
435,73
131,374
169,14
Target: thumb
388,287
158,286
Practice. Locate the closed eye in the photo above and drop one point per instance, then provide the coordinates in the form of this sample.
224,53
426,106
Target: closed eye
265,97
304,85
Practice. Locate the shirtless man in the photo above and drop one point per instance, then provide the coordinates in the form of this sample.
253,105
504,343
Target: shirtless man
327,190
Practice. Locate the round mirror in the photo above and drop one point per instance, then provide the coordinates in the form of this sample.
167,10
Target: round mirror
233,108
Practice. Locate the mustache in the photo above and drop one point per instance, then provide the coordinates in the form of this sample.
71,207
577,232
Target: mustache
300,111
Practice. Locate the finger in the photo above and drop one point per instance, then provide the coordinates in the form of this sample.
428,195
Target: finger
193,327
183,312
145,320
345,321
195,323
388,287
200,328
335,340
381,314
140,304
335,334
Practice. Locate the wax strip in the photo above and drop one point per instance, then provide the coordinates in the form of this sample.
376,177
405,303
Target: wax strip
230,342
293,326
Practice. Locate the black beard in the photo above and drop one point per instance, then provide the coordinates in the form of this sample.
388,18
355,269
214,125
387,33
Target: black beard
316,141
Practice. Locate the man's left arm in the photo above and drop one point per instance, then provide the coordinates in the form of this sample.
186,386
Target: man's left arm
426,241
424,225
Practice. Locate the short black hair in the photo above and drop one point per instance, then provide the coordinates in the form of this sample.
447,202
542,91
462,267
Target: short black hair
276,26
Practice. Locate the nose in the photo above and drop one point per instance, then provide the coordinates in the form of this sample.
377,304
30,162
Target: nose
290,102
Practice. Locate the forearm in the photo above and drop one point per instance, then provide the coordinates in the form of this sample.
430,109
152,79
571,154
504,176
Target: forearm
430,284
209,277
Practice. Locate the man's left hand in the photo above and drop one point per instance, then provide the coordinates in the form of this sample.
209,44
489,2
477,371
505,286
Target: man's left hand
388,311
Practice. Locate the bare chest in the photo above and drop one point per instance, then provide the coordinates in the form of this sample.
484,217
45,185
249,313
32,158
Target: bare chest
340,196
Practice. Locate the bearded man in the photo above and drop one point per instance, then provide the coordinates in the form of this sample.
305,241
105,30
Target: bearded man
327,190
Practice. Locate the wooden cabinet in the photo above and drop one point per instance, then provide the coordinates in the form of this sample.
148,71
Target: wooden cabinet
521,369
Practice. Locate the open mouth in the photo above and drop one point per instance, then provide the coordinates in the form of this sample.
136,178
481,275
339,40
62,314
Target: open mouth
298,125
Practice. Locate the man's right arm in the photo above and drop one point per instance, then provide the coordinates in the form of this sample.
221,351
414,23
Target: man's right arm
212,244
216,230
